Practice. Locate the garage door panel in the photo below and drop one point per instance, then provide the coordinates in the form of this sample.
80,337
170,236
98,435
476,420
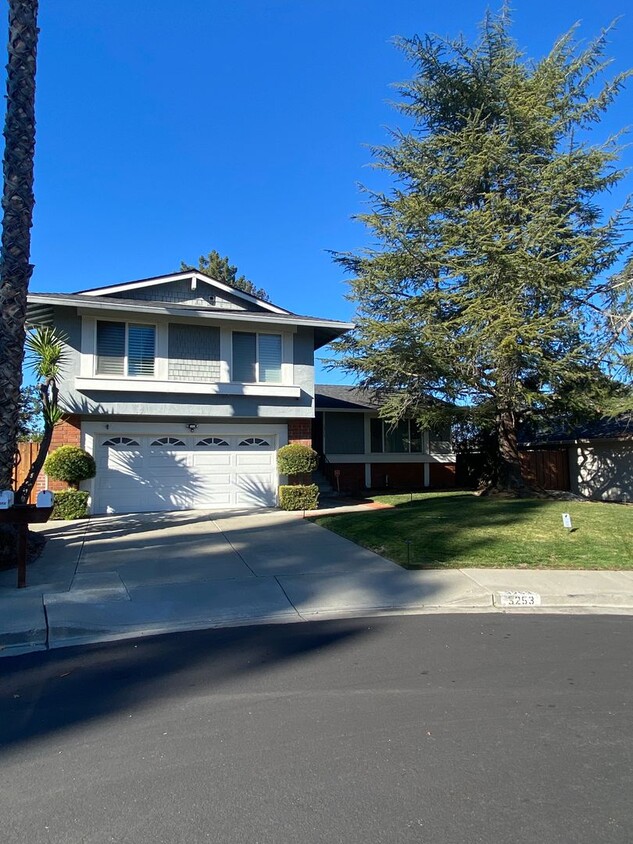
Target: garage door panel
254,458
126,462
213,499
218,480
206,459
255,498
210,473
161,459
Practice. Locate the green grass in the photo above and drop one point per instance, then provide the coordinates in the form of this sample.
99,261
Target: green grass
460,529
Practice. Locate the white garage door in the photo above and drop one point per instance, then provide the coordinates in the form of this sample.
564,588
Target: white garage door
142,474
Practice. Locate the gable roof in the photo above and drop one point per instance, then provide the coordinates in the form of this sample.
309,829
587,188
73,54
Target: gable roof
167,279
342,397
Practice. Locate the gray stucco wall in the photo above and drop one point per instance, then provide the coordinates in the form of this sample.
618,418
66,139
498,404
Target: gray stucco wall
130,405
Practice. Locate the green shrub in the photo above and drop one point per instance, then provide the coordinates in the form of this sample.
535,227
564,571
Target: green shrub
297,459
71,464
70,504
300,497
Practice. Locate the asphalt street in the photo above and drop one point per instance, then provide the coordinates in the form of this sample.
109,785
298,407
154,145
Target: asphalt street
452,729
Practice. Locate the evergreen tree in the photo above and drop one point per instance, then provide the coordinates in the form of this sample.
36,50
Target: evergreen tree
220,269
488,286
30,421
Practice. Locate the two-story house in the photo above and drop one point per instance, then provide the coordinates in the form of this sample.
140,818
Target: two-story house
183,389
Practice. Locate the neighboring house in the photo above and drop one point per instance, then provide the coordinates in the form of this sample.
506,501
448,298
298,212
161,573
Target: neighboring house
183,389
600,458
362,451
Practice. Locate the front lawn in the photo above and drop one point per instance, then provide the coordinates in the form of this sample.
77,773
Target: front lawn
458,529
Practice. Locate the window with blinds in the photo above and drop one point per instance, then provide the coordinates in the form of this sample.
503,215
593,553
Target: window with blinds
269,358
140,350
244,357
256,357
110,348
125,349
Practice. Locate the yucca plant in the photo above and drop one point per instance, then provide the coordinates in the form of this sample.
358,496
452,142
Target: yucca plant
46,356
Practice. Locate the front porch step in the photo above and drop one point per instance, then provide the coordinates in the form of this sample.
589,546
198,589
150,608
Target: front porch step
325,487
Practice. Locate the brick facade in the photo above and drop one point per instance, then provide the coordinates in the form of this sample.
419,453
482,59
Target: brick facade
351,476
442,475
397,476
66,432
300,431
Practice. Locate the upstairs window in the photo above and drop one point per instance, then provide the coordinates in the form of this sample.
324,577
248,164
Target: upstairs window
125,349
256,358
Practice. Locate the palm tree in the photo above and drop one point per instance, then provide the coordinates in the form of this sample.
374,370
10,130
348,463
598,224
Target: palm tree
17,206
46,357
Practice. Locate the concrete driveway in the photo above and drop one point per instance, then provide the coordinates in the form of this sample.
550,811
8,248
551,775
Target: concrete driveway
110,577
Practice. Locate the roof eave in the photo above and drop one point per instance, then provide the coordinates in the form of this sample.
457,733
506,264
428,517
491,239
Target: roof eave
329,328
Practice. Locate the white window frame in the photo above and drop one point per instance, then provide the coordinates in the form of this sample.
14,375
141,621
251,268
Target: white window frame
384,438
125,373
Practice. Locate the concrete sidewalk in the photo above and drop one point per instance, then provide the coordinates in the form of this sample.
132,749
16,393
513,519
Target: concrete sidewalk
115,577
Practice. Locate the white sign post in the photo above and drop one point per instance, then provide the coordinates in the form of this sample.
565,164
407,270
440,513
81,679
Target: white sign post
567,521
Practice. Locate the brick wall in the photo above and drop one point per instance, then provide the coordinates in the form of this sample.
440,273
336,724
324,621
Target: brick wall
351,476
300,431
67,432
442,475
397,475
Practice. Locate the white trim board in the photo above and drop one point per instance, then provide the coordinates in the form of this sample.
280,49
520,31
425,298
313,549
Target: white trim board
138,385
192,274
417,457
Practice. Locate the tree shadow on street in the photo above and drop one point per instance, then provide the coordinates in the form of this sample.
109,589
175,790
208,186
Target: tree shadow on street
53,692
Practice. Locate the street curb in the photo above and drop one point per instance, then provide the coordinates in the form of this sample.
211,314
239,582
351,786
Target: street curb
10,645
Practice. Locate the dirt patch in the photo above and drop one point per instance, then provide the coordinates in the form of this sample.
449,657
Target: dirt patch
8,547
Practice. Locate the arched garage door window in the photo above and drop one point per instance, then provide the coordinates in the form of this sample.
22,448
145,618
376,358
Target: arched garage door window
254,442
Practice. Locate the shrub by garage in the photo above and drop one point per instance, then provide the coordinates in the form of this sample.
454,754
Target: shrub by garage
71,464
296,459
70,504
299,497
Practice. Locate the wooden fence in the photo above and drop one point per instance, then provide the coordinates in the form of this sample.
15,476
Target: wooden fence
548,468
27,453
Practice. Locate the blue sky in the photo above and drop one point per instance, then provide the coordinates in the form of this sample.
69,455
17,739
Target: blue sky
166,129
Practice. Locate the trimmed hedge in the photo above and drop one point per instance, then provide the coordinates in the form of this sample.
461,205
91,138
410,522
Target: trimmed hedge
299,497
71,464
70,504
296,459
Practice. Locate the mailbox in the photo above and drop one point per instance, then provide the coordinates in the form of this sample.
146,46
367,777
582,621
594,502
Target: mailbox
6,499
45,498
